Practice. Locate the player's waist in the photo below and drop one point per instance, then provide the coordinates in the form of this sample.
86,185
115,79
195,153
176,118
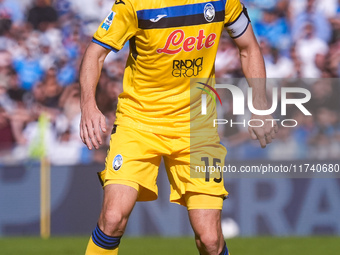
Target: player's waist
167,126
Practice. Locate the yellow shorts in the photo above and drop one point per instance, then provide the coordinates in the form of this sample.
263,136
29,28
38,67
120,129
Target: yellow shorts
134,158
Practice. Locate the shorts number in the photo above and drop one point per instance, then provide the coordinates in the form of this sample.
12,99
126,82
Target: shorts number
207,166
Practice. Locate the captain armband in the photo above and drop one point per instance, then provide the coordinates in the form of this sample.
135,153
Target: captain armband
237,28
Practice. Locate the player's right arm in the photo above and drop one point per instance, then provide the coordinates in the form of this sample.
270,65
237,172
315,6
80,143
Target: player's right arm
116,29
92,120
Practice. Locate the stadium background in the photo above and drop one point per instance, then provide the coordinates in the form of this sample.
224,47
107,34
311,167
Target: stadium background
41,45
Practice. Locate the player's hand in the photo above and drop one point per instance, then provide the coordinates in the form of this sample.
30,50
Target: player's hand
92,121
264,133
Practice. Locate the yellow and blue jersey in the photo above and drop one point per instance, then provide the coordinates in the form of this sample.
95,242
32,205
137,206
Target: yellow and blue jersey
170,42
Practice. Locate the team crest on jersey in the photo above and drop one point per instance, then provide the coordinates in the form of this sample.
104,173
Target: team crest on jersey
209,12
108,21
117,162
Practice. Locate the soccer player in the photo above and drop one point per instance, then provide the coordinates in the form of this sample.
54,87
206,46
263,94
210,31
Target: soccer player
170,42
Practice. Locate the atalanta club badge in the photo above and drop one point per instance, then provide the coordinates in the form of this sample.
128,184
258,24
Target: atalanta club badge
209,12
117,162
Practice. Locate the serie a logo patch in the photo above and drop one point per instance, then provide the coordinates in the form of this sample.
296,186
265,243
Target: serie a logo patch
108,21
117,162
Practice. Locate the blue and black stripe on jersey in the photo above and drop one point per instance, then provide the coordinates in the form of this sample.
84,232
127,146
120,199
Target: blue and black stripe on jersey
179,16
104,45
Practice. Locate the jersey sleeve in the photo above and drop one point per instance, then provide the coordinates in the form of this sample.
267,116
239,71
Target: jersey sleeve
118,27
236,18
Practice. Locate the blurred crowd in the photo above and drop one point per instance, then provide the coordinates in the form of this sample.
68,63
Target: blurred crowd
42,43
41,46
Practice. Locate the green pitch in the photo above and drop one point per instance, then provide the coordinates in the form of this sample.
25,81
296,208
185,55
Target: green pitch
174,246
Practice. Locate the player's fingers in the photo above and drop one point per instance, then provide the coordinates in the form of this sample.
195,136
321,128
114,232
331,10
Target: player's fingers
267,134
273,134
103,123
262,141
276,127
90,130
252,133
268,138
87,140
82,133
261,137
96,132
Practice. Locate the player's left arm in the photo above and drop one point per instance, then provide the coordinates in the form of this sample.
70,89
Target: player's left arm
254,69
